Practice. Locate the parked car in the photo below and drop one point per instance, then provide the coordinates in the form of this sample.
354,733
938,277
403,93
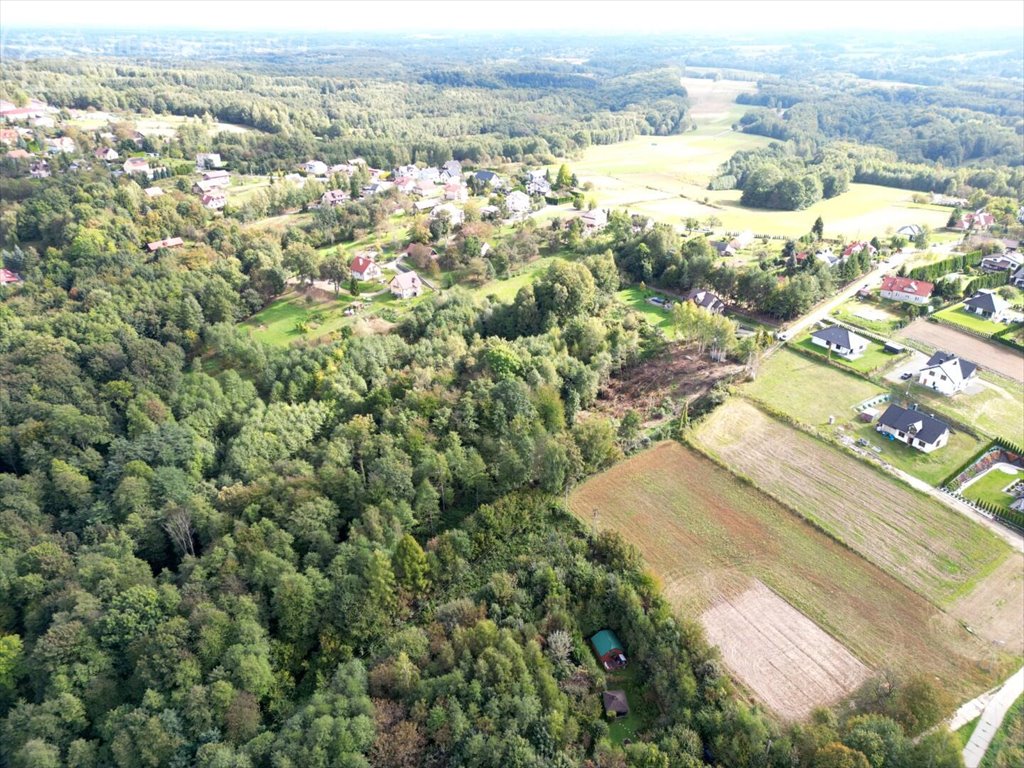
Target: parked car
906,375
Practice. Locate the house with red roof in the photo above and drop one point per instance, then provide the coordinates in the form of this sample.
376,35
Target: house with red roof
976,220
906,289
213,201
7,277
167,242
364,268
856,247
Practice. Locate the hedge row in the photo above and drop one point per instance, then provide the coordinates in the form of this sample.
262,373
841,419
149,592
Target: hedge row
991,280
931,272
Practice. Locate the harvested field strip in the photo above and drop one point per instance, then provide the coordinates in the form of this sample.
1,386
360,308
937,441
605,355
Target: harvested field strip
708,535
987,354
927,546
780,654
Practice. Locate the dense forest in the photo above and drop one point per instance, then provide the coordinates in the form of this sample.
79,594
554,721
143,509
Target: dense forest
220,553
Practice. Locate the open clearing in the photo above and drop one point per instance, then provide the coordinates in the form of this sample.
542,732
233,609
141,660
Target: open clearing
795,385
986,354
708,535
924,544
781,655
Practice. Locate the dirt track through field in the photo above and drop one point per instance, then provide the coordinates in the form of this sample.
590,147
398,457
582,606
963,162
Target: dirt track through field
987,354
786,659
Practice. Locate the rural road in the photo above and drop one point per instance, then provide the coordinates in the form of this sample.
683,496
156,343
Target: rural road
992,718
821,311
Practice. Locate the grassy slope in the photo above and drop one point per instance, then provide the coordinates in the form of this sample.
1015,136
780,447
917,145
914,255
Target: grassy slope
927,546
996,410
705,534
1007,747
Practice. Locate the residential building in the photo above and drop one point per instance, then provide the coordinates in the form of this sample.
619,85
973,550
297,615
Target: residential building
404,172
167,242
315,167
215,200
842,341
13,113
207,160
706,300
107,154
153,192
38,169
741,241
914,428
424,187
455,215
895,288
451,171
406,285
138,165
220,178
63,144
828,256
489,179
405,184
594,220
909,231
203,186
976,220
852,249
517,204
456,191
364,268
333,197
946,373
988,304
608,649
1017,279
1002,262
8,277
615,703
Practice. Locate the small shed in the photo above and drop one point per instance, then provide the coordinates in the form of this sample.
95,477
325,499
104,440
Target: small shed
608,649
868,415
893,348
615,703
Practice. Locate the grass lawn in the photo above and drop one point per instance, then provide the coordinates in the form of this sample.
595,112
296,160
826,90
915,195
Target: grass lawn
989,487
505,290
275,325
933,467
636,299
641,711
1007,747
958,316
879,318
807,390
964,732
874,358
706,534
997,409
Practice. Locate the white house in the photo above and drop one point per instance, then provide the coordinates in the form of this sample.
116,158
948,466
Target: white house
406,285
1002,262
214,201
315,167
455,215
517,203
913,428
105,153
364,268
138,165
706,300
987,304
843,342
594,220
333,197
61,144
946,373
895,288
206,160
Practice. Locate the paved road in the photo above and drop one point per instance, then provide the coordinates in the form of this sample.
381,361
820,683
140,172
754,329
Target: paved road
822,311
992,718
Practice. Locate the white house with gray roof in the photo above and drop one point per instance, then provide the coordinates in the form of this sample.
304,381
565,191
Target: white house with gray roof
842,341
946,373
914,428
988,304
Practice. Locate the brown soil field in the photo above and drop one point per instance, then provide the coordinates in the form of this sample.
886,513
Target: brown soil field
787,660
929,547
995,609
987,354
707,535
678,373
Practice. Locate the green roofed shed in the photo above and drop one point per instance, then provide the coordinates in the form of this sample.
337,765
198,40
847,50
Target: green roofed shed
608,649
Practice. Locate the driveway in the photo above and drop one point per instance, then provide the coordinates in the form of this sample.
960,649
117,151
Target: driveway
912,364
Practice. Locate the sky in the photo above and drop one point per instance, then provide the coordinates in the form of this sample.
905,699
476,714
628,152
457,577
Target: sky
594,16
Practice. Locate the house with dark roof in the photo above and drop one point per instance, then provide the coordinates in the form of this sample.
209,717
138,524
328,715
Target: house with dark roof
1017,278
988,304
489,178
913,428
946,373
1002,262
895,288
608,649
333,197
706,300
615,703
842,341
